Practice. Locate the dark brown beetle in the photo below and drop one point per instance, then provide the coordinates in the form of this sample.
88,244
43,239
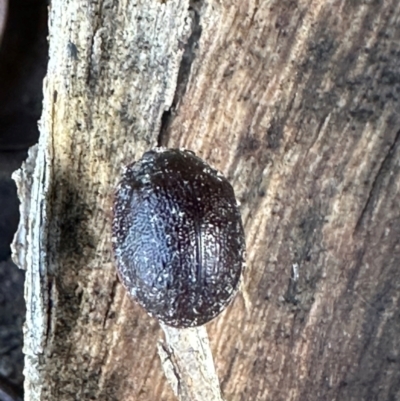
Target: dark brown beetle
178,237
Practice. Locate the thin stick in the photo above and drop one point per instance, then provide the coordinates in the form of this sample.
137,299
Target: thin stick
188,364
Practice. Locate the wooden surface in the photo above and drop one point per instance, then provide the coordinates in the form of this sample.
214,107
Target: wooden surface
297,102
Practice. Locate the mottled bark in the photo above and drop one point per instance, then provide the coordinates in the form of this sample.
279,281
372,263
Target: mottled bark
297,103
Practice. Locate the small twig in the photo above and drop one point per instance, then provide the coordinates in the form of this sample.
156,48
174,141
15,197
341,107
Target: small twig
188,364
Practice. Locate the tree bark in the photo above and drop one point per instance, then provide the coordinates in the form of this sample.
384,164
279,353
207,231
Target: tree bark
297,103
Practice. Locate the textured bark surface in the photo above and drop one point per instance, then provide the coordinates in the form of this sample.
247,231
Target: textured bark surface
297,103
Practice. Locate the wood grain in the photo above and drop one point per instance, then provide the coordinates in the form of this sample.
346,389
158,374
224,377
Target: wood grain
297,103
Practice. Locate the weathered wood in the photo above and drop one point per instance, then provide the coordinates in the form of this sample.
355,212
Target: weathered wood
297,103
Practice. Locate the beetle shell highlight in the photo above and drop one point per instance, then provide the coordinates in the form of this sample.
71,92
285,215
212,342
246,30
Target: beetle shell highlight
178,237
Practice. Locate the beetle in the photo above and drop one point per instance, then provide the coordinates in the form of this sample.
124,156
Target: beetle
178,237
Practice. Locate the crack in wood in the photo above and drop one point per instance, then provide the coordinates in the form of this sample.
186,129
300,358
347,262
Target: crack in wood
189,55
373,194
110,302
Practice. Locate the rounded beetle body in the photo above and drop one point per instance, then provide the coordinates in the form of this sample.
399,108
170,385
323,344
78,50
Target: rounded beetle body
178,237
